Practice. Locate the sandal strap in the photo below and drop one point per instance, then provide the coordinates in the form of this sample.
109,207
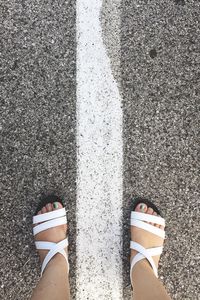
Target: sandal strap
61,212
49,224
51,219
43,245
148,218
144,253
54,248
148,227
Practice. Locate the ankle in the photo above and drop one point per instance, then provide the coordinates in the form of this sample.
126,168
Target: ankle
145,284
57,262
141,267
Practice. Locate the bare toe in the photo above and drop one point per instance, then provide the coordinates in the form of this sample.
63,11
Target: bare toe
49,207
57,205
44,210
141,207
150,212
156,225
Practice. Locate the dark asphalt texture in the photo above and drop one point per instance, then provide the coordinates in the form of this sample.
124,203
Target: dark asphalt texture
160,79
160,65
38,136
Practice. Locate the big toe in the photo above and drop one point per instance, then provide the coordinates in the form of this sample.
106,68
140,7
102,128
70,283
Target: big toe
141,207
53,206
57,205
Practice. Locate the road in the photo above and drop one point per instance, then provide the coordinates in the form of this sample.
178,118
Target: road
151,50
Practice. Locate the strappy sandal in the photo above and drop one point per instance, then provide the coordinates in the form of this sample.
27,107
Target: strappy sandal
138,219
50,219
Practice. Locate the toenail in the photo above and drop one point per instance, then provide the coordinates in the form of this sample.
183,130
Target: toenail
55,204
142,207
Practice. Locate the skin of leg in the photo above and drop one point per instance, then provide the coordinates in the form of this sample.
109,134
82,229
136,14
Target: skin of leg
54,283
146,286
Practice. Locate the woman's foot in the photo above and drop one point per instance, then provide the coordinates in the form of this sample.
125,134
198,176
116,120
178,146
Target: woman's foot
54,282
145,238
54,234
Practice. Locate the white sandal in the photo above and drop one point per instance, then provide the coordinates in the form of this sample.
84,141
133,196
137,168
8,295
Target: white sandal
53,218
137,219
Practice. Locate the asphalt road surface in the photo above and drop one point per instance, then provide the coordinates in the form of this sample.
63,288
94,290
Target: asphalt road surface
154,52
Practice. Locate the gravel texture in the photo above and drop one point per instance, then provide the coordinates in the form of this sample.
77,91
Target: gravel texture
38,145
160,65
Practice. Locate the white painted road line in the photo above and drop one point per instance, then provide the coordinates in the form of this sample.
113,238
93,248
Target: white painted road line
100,158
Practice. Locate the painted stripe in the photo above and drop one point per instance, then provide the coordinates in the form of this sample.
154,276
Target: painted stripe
100,157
